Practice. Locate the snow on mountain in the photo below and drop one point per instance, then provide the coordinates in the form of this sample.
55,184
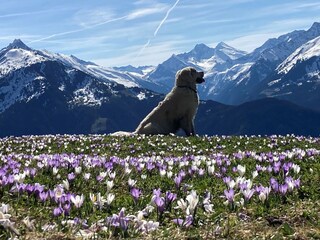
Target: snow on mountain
17,55
210,60
26,74
140,71
303,53
297,78
277,49
107,74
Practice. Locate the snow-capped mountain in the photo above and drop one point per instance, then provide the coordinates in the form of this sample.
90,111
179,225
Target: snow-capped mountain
233,76
42,92
297,78
210,60
25,74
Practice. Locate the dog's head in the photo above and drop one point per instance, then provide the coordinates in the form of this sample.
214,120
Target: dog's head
189,77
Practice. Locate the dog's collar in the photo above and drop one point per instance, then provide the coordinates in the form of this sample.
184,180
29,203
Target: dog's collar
188,88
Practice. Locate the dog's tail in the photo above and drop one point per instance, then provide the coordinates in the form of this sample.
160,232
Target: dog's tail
121,134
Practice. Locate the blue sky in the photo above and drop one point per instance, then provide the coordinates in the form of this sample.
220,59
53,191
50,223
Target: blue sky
147,32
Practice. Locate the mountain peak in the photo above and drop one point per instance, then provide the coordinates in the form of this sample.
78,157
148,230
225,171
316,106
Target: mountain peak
316,25
17,43
222,45
315,28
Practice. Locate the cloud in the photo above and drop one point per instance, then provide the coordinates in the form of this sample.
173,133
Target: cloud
163,51
10,15
94,20
145,12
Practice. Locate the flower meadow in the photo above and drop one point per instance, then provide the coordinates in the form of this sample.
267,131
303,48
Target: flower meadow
159,187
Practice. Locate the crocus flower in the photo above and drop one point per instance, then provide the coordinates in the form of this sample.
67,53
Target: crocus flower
131,182
110,185
247,193
283,188
208,207
193,200
229,194
241,170
43,196
184,222
159,201
110,198
57,211
77,200
135,193
177,181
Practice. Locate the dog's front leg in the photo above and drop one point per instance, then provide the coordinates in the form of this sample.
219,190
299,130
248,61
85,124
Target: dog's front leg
188,127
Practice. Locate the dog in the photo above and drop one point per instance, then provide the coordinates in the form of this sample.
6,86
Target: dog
178,109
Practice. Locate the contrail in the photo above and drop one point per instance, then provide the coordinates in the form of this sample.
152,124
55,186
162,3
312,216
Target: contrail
78,30
158,28
165,18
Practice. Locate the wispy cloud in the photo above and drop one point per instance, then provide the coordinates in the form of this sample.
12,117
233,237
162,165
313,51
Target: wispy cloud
78,30
135,14
19,14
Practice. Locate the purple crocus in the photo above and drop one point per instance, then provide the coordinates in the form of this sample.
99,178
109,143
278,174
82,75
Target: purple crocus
135,193
57,211
184,222
170,197
274,184
248,194
283,188
159,201
43,196
178,180
119,221
229,194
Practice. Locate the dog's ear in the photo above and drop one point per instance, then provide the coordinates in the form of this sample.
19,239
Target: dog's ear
178,74
193,72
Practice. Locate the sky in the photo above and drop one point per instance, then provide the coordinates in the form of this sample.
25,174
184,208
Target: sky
147,32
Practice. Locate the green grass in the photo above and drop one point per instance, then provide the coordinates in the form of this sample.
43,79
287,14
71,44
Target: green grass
294,215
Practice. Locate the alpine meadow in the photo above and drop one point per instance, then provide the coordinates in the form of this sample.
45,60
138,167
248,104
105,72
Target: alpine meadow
156,119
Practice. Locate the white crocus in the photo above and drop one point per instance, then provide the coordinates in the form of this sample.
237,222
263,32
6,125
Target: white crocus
182,204
110,185
241,170
131,182
211,170
193,200
110,198
296,168
78,170
231,184
254,174
77,200
65,184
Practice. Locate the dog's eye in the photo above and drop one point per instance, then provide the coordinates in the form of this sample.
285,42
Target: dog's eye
193,71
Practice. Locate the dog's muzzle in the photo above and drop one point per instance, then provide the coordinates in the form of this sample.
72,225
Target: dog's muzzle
200,79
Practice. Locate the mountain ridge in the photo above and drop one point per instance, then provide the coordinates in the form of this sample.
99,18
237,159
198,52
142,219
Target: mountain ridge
43,92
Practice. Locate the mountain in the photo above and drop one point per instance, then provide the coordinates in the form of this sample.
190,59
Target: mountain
261,117
265,61
234,77
43,93
201,57
297,78
48,93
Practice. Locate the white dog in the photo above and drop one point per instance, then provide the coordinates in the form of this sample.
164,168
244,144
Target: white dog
178,109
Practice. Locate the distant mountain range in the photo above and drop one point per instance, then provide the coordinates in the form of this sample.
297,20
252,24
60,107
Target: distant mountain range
43,92
286,67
